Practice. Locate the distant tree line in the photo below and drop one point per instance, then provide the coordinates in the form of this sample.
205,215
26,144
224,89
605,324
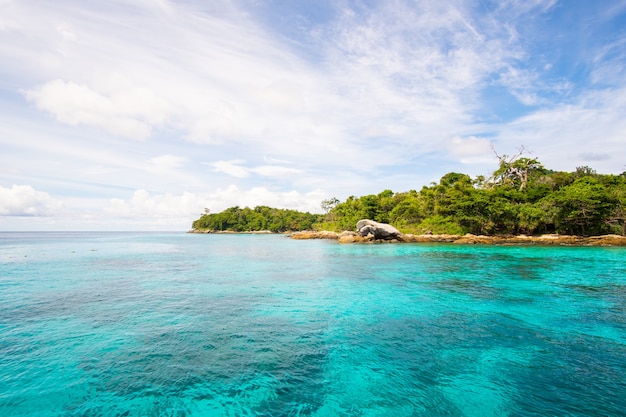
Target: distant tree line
521,197
239,219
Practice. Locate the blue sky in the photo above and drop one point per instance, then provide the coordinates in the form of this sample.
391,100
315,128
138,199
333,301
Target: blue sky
138,114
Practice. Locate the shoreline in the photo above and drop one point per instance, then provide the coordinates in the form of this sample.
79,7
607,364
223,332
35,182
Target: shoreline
230,232
470,239
467,239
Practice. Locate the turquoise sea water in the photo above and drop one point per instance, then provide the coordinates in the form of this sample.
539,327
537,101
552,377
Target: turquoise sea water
131,324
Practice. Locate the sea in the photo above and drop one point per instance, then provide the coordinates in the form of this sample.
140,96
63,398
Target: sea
177,324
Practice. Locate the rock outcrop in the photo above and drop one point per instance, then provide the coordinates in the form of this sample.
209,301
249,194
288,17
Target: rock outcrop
311,234
382,231
369,231
468,239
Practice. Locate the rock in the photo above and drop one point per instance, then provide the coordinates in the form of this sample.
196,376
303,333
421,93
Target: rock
365,239
474,239
367,230
607,240
322,234
432,238
347,237
382,231
373,232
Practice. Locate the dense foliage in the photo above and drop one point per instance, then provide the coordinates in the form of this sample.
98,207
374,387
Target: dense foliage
533,202
520,198
238,219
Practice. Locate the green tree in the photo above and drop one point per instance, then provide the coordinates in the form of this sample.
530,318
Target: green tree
616,220
582,207
520,197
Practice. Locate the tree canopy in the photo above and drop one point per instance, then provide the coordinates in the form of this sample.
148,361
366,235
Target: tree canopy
521,197
238,219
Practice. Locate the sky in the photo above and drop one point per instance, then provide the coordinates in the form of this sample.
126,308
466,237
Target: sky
139,114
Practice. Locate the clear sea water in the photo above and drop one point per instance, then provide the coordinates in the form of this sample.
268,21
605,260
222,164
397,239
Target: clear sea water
145,324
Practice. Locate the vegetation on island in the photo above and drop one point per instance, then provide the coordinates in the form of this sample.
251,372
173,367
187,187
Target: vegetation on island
237,219
520,197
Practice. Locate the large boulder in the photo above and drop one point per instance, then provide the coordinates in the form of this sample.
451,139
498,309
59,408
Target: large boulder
384,231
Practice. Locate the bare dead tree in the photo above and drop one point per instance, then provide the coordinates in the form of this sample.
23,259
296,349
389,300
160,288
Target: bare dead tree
515,169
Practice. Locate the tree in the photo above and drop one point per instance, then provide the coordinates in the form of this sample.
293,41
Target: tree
328,204
515,170
521,197
260,218
583,206
531,218
408,209
617,218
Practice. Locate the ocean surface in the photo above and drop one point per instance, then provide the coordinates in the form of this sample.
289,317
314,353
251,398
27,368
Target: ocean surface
175,324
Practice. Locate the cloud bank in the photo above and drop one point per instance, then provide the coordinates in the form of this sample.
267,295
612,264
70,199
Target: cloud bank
133,110
23,200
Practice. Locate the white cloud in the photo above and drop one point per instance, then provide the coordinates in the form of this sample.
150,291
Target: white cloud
232,168
594,156
236,169
610,62
168,162
24,200
518,8
232,195
189,206
400,78
130,112
414,73
364,101
400,73
275,171
142,204
571,135
471,149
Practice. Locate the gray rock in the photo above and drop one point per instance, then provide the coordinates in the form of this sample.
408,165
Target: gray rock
378,230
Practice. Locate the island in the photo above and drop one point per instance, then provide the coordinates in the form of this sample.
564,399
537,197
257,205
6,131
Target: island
521,202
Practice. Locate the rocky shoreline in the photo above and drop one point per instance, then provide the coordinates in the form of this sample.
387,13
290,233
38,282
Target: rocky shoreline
230,232
369,231
548,240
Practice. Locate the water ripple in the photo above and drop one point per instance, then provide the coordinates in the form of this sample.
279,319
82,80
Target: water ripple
187,325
